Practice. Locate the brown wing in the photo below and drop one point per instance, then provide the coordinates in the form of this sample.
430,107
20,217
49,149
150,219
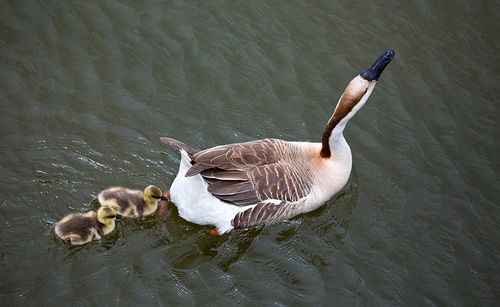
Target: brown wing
232,186
265,212
247,173
281,180
240,156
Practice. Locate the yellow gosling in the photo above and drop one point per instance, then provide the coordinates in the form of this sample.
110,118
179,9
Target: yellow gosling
81,228
132,203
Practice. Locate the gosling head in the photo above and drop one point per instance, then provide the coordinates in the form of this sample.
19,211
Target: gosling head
153,193
106,215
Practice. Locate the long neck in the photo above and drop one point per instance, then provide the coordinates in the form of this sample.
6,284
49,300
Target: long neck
353,98
333,137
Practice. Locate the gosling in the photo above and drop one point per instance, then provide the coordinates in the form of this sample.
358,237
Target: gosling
81,228
132,203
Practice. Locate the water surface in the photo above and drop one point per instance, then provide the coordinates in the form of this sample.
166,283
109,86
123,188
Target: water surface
88,87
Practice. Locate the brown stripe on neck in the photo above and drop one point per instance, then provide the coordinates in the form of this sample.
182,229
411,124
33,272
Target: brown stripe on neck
347,102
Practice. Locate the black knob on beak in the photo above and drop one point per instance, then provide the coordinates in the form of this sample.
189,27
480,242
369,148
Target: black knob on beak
374,72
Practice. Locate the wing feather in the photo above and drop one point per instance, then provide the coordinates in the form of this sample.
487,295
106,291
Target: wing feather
178,144
196,169
252,172
240,199
220,174
230,188
242,155
264,212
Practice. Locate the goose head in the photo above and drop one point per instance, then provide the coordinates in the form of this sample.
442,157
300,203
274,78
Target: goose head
354,97
107,215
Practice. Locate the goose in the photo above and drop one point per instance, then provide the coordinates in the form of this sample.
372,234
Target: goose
132,203
81,228
243,185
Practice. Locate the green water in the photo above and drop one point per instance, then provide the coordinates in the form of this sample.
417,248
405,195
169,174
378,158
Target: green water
89,87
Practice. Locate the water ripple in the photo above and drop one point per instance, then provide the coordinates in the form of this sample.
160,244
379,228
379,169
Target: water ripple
88,89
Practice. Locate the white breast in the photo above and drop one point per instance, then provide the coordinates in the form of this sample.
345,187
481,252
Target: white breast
329,180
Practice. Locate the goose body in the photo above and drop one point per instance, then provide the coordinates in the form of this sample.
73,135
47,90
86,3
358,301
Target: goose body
131,203
81,228
247,184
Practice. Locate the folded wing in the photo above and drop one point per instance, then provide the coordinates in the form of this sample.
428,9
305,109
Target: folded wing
248,173
265,212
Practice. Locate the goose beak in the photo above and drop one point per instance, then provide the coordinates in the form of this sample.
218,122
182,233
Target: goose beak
164,198
374,72
119,216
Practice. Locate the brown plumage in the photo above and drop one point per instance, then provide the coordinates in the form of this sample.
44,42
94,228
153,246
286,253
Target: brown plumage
252,183
262,213
178,144
247,173
347,102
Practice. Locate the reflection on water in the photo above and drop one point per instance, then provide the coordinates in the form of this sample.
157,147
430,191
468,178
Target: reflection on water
89,87
192,246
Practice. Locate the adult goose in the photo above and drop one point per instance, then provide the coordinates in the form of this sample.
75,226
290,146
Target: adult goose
242,185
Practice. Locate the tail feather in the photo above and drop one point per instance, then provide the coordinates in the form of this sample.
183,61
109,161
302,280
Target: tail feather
179,145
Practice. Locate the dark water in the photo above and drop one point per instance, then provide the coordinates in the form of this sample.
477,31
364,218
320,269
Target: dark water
88,87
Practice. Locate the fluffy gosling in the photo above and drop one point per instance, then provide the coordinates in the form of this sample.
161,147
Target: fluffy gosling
81,228
132,203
